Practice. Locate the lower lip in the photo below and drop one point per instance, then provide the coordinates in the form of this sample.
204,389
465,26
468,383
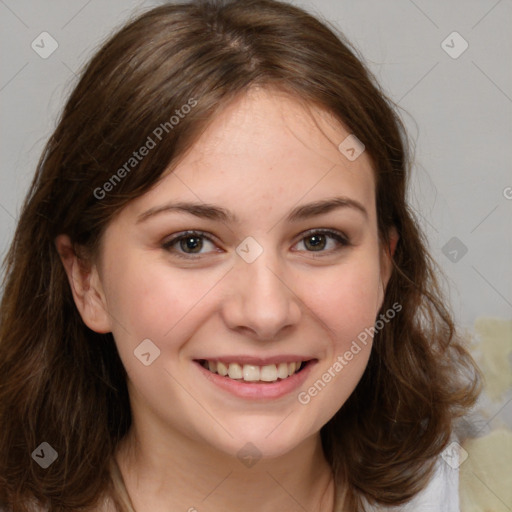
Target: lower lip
257,390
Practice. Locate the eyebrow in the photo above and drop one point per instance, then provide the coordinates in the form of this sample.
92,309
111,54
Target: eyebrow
217,213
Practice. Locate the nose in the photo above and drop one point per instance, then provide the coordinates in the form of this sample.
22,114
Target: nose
260,301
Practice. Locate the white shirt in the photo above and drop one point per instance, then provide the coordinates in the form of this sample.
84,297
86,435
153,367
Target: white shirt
440,495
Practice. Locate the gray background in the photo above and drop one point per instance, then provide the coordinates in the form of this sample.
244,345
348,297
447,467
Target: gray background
458,111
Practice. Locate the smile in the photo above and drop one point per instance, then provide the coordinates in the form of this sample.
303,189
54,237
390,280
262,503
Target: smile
254,373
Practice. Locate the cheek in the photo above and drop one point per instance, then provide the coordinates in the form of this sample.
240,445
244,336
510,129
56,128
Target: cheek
148,300
346,298
345,301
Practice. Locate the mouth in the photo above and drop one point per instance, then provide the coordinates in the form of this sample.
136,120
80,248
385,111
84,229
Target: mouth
255,378
264,374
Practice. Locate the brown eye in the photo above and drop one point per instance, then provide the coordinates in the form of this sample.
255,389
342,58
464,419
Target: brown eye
315,242
189,243
323,241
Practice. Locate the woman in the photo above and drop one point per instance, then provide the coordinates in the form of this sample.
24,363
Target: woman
216,297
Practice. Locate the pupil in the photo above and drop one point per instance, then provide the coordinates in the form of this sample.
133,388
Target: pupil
192,243
315,242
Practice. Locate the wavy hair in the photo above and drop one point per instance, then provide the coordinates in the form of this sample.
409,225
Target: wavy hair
64,384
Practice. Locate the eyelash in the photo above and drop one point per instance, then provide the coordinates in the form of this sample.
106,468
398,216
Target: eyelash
340,238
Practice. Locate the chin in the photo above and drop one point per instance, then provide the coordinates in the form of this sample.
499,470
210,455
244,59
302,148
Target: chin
269,438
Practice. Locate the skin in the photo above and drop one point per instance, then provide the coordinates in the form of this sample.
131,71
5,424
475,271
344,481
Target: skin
261,157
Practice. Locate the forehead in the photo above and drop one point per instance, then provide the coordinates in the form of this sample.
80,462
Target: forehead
264,143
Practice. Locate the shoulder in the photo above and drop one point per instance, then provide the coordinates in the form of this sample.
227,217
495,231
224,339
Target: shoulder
440,495
442,492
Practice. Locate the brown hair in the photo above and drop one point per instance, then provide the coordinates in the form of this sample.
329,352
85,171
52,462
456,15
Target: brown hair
63,384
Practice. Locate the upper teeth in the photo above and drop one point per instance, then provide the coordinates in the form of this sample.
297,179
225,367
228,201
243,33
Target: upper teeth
253,373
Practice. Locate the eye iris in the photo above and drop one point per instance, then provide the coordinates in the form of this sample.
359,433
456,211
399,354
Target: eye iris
191,244
315,242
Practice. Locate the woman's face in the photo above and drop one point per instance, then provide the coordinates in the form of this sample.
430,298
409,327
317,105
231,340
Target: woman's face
283,266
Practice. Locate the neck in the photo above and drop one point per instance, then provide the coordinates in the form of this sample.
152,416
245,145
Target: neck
182,474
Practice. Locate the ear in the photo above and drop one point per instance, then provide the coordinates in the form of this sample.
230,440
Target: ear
85,286
387,254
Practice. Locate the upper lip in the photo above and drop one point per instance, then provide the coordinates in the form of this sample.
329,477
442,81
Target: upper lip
258,361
